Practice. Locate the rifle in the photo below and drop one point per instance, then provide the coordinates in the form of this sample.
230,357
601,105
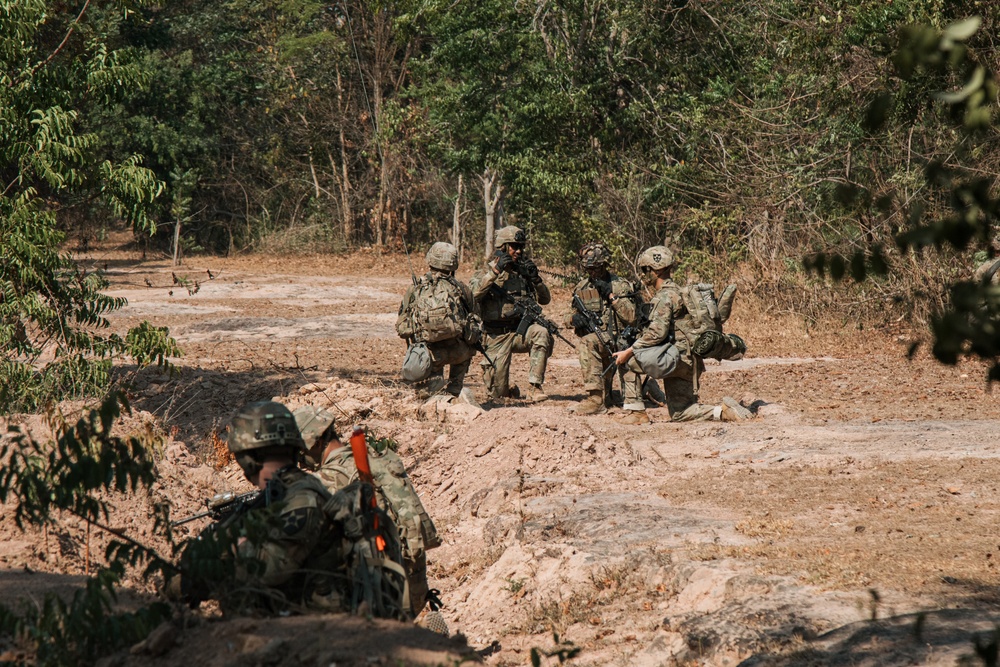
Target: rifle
222,506
531,313
595,324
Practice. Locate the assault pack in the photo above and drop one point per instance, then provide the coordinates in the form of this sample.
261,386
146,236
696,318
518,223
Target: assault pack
706,317
437,310
398,498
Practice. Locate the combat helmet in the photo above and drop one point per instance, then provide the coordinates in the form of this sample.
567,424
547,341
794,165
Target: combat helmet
442,256
510,234
594,255
259,426
656,258
314,423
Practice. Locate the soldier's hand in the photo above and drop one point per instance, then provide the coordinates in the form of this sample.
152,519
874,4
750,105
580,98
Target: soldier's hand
530,271
622,356
505,262
578,321
603,288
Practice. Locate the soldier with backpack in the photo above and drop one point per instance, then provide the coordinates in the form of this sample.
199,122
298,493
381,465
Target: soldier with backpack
685,326
507,286
438,321
333,463
298,547
603,308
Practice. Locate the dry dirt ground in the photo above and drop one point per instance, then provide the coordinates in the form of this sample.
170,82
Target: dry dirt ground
852,522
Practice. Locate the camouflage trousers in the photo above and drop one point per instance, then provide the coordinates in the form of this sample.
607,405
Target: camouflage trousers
594,358
682,401
536,341
457,355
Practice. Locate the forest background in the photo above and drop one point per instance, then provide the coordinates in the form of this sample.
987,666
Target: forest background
739,133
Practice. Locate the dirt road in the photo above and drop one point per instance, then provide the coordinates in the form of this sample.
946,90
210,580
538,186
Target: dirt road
866,487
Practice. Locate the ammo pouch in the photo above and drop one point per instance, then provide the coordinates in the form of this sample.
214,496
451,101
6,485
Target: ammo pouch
658,361
717,345
417,363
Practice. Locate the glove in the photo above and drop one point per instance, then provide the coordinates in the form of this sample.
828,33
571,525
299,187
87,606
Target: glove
530,271
578,321
603,288
505,262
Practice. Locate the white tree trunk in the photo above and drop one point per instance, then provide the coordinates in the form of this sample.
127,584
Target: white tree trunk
492,192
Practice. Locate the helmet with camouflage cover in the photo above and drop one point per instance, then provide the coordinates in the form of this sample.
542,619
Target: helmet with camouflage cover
656,258
263,425
314,423
594,255
510,234
443,257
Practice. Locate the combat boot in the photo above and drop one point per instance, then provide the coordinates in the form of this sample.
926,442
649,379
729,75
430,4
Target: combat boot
535,394
732,411
592,405
637,417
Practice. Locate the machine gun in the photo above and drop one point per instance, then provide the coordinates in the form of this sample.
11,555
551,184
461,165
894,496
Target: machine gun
222,506
531,313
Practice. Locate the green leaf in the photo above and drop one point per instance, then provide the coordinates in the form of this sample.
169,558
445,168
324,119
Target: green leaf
964,29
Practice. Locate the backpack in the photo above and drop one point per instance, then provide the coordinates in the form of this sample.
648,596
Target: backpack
400,501
702,309
372,553
706,316
437,310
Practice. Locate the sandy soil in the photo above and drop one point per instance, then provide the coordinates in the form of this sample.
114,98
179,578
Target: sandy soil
852,522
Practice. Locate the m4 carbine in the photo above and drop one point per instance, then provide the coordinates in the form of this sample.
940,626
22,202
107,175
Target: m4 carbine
531,313
222,506
594,323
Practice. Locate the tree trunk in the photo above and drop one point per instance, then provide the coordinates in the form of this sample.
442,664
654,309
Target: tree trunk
456,228
345,181
491,198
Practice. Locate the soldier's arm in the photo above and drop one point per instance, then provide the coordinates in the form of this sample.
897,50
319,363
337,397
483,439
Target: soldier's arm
480,283
660,321
300,524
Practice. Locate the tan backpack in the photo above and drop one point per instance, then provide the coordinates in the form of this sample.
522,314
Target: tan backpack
437,311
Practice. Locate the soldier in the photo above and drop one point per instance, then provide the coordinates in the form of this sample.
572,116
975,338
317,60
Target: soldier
294,550
607,300
510,276
669,318
336,469
437,316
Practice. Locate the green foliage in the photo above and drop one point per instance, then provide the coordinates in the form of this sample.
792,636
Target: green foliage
66,476
969,324
61,66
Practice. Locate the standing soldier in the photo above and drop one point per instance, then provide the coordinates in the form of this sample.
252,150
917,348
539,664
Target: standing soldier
437,320
602,307
507,278
670,319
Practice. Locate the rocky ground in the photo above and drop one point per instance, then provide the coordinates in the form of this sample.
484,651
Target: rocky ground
852,522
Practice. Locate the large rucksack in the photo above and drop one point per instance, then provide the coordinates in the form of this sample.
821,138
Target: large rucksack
400,501
372,551
437,310
705,318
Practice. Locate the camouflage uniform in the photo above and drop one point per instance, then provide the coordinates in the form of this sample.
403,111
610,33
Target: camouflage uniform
416,530
668,316
669,320
500,321
594,358
301,558
455,353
